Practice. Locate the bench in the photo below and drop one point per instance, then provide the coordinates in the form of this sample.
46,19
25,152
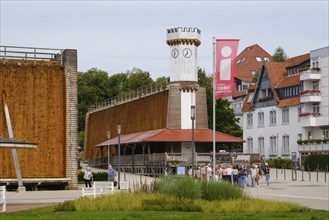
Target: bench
3,198
98,188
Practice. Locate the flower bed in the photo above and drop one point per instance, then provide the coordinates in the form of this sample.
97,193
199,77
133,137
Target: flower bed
303,114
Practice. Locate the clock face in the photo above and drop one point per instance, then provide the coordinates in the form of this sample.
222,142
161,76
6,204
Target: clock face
174,53
187,53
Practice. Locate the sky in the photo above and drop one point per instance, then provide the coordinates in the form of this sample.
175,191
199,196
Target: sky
117,36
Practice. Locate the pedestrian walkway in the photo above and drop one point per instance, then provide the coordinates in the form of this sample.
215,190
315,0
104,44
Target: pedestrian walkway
309,193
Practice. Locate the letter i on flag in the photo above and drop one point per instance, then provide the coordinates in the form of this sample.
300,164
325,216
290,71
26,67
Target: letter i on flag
225,62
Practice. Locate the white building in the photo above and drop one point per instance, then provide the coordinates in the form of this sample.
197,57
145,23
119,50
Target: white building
286,106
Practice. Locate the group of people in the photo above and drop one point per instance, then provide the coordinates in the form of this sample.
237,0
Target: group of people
242,175
88,176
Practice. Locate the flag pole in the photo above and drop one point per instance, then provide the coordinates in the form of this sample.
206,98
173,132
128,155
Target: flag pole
214,109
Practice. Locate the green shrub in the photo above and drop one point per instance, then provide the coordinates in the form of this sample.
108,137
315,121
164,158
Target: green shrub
220,191
181,187
99,176
270,163
299,142
65,206
312,161
284,163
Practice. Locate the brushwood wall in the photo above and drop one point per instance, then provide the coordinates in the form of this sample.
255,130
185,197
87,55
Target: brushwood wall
146,113
42,101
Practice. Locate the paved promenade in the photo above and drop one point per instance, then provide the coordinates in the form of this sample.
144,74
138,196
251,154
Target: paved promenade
312,194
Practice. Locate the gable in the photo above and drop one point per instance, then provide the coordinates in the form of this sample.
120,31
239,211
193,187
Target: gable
264,92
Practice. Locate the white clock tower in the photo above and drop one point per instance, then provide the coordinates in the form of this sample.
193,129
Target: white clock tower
183,43
184,90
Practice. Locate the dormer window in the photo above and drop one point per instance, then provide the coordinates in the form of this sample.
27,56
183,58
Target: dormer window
258,59
266,59
239,61
253,72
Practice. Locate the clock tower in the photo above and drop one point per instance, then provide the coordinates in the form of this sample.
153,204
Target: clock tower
183,43
184,90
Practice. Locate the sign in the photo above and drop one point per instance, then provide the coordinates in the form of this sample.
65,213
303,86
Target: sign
226,52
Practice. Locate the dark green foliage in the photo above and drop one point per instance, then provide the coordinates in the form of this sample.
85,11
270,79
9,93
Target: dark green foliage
181,205
312,162
220,191
280,55
283,163
65,207
225,117
188,188
99,176
181,187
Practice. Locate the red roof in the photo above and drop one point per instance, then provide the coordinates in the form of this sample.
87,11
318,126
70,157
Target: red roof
172,135
247,62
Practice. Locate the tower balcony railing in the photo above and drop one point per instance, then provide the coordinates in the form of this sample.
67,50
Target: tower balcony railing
129,96
310,74
310,96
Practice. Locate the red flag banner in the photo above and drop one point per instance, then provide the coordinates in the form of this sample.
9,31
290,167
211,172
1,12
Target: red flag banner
226,52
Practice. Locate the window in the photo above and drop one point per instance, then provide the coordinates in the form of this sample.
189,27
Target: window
302,85
253,72
315,62
315,85
325,134
272,117
285,145
299,136
249,145
273,150
243,60
316,107
309,135
266,59
238,61
261,148
299,110
285,116
258,59
249,120
260,119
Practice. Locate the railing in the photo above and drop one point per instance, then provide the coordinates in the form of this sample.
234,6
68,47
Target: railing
171,158
3,197
31,53
129,96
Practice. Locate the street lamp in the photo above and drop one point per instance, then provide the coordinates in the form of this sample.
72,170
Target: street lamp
193,145
108,147
119,155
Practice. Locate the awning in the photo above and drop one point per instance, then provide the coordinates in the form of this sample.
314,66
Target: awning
172,135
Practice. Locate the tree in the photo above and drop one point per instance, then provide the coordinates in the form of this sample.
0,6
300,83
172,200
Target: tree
280,55
93,87
138,78
226,121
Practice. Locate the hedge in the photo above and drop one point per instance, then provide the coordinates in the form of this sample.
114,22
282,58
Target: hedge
312,161
99,176
279,163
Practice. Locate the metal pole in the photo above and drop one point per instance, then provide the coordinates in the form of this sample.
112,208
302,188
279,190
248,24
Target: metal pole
193,144
214,108
108,152
20,188
317,174
119,155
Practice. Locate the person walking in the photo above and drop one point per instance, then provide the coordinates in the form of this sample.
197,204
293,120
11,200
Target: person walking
266,170
88,177
111,173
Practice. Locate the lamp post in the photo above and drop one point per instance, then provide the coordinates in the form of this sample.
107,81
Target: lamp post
119,155
193,145
108,150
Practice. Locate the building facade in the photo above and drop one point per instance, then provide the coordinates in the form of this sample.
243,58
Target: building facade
288,104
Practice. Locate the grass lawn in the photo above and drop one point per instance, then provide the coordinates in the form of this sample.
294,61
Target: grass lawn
48,213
